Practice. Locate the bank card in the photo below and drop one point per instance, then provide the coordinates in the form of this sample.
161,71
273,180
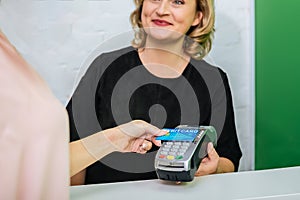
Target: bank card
179,134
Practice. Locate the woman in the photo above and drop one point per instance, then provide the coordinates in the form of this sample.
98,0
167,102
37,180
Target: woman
159,71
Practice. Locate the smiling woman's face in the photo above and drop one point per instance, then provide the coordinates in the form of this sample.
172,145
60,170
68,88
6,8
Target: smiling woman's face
166,17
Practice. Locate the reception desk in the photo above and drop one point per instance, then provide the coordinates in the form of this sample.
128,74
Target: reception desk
275,184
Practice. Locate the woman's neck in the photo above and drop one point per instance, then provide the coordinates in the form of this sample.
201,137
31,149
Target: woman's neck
164,59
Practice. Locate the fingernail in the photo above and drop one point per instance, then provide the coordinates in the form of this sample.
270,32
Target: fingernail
210,147
158,143
144,146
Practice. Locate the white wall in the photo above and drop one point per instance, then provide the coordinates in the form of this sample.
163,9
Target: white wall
56,36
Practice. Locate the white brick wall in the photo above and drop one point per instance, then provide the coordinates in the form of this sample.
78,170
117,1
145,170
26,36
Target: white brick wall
56,36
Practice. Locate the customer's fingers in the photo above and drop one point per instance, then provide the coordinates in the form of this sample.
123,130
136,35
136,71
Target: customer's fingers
147,145
138,128
144,147
135,147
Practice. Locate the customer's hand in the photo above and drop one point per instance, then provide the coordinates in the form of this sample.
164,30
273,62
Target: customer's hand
135,136
209,164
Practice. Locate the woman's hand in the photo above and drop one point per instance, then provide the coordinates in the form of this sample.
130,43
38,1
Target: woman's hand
209,164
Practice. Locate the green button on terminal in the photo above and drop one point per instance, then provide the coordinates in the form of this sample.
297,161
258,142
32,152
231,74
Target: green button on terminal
178,157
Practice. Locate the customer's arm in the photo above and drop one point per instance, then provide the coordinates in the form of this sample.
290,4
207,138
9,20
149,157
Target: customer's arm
32,121
136,136
86,151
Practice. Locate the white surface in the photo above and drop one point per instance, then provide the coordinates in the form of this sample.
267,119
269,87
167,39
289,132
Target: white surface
283,184
56,36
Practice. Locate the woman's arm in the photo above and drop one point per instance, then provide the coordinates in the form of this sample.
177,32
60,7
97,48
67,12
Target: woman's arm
225,165
213,164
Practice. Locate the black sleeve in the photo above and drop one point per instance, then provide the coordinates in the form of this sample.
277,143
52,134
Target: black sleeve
228,144
81,108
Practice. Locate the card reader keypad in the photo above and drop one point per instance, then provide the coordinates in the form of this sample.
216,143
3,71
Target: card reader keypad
173,150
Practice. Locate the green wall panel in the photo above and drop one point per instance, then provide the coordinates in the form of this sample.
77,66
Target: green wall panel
277,134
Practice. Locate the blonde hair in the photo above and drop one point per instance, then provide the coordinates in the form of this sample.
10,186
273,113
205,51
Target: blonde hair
198,41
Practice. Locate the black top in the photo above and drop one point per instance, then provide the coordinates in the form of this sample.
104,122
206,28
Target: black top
117,88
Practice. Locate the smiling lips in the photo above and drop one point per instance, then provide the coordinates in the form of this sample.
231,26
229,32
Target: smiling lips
159,22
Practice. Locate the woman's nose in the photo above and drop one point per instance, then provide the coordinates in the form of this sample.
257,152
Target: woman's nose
163,7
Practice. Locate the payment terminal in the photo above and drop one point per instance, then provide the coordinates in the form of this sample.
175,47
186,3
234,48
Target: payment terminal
182,150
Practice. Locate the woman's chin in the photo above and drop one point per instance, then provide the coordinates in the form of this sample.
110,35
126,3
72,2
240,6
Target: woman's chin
163,34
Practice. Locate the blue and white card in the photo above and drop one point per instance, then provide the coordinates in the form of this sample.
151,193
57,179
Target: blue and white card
179,134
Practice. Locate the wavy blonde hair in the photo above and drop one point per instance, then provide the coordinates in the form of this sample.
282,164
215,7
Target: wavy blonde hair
198,41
